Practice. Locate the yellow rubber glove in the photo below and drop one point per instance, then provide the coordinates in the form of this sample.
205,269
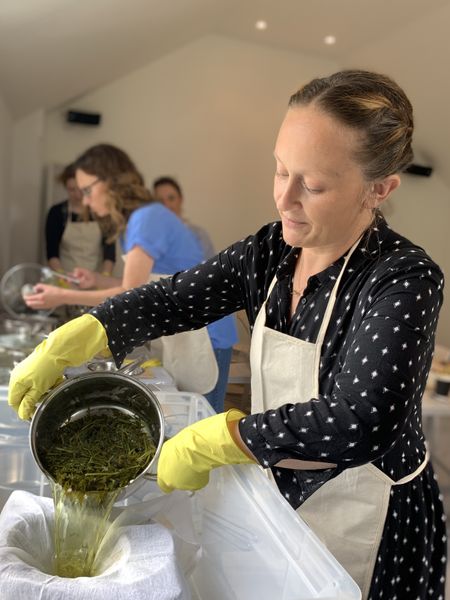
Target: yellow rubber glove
188,457
69,345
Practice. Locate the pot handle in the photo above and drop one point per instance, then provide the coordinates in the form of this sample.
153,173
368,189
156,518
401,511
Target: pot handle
130,367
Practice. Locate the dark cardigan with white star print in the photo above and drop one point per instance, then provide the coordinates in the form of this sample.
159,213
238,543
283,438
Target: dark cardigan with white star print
375,358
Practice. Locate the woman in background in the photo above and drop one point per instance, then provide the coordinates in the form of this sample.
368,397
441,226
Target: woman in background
168,191
154,241
73,237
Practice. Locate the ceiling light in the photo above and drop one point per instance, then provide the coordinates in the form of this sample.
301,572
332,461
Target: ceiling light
261,25
329,40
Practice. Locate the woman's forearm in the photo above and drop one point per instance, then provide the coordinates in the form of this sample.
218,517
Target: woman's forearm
104,282
89,297
233,428
107,267
289,463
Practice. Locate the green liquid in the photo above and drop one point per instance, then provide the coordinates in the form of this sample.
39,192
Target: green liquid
81,522
91,459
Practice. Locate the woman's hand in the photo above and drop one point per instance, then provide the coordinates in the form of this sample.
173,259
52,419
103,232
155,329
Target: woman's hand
69,345
44,297
187,458
86,279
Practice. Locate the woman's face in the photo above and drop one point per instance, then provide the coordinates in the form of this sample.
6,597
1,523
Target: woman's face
169,196
73,191
94,192
319,189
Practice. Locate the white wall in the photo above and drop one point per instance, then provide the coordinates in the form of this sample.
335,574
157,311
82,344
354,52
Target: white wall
207,114
6,126
26,215
421,208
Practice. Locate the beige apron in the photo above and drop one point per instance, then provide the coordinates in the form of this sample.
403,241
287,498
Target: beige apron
348,512
81,245
187,356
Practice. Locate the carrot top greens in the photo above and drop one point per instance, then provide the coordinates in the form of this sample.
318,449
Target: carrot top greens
97,452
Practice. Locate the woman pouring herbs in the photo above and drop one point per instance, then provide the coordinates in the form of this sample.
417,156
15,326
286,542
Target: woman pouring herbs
343,313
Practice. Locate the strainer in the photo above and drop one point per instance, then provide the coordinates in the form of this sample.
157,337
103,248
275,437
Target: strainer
18,281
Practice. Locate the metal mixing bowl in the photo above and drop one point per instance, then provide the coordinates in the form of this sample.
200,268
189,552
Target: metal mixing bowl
97,393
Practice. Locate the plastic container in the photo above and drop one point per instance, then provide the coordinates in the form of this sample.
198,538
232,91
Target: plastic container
18,471
254,546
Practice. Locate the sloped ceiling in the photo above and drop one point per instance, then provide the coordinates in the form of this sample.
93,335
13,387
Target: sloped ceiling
54,50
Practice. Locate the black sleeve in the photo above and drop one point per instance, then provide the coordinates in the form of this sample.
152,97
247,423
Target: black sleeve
54,229
178,303
378,384
109,250
191,299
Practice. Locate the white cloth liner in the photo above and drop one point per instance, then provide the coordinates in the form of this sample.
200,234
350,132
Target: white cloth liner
145,556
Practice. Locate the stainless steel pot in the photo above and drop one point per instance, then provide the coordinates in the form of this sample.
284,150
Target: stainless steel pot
27,326
98,393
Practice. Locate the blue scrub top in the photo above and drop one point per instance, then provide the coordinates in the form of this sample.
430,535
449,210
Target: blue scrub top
164,237
173,247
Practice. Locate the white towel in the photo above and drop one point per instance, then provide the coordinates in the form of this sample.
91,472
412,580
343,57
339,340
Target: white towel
140,563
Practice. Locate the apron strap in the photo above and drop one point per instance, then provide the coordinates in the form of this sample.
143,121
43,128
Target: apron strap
333,295
417,472
327,315
271,286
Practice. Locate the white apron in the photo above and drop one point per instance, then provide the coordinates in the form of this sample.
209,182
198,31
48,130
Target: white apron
348,512
187,356
81,245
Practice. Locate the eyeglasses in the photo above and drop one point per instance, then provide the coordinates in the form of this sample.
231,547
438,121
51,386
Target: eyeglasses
87,189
